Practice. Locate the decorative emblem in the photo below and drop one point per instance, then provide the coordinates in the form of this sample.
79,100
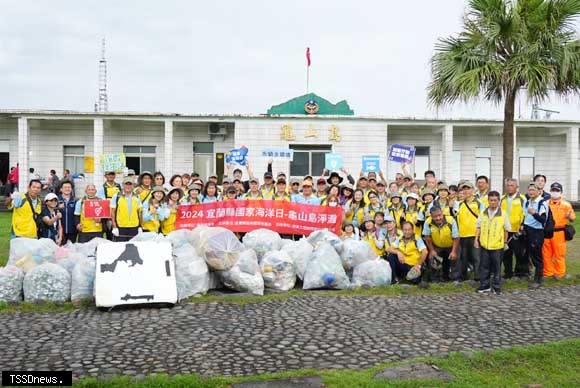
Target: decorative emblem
311,107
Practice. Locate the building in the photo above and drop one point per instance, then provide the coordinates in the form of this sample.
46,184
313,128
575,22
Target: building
309,124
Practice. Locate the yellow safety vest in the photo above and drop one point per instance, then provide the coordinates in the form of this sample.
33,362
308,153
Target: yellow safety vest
168,224
397,214
123,218
441,236
249,197
492,234
89,225
411,216
144,195
153,224
516,213
283,197
412,254
110,191
23,224
378,251
466,221
267,194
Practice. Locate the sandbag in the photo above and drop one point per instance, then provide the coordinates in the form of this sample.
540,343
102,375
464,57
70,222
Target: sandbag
220,248
83,279
373,273
27,253
245,275
191,272
324,269
320,236
11,278
278,271
262,241
300,252
47,282
356,252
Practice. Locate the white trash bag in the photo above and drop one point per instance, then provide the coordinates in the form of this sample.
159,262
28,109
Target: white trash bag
47,282
148,236
191,272
278,271
324,270
320,236
11,278
83,279
89,249
27,253
262,241
300,252
180,237
245,275
220,248
196,237
356,252
373,273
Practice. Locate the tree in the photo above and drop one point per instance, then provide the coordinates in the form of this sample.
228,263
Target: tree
507,45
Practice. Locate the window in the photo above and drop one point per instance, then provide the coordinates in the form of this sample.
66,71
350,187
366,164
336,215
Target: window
203,159
421,162
527,165
308,159
140,158
74,159
483,162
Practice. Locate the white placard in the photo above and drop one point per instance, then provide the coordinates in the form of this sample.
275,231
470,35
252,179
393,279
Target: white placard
134,273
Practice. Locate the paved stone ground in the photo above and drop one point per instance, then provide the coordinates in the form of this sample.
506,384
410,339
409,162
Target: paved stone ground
308,332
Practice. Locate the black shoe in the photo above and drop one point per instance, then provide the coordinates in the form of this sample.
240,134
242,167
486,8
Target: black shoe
497,291
483,290
534,286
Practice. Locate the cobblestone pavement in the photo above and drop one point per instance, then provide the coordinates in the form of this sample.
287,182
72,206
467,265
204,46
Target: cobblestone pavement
306,332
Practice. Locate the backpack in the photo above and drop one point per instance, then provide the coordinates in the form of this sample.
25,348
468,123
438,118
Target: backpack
549,225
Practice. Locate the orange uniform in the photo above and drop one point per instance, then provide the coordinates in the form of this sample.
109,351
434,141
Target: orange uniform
554,249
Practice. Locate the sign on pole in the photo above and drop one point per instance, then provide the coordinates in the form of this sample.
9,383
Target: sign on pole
237,156
371,163
278,153
113,162
402,153
333,161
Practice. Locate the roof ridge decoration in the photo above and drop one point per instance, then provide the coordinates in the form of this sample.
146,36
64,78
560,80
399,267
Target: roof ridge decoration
311,104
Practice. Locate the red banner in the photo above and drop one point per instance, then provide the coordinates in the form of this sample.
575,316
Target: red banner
244,216
97,208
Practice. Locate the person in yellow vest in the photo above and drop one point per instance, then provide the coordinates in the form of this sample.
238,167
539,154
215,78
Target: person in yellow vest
108,191
491,234
281,193
151,210
88,228
468,211
354,211
231,194
26,209
144,186
409,255
374,206
126,213
442,237
169,210
397,209
442,200
482,183
370,237
512,205
392,233
254,193
268,189
412,213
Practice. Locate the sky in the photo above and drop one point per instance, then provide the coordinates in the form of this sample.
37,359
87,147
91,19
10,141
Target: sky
224,57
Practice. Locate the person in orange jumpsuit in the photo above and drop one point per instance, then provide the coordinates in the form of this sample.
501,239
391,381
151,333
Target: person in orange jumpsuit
554,249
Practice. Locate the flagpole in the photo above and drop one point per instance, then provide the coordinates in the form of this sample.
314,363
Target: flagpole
307,79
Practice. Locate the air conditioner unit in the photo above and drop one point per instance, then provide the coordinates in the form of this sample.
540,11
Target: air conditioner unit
218,129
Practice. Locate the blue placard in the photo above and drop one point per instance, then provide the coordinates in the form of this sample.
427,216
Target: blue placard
278,153
333,161
237,156
402,153
371,163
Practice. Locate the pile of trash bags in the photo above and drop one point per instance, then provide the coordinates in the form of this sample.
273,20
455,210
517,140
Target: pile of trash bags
206,258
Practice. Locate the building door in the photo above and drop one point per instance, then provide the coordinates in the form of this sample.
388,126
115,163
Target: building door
4,166
203,159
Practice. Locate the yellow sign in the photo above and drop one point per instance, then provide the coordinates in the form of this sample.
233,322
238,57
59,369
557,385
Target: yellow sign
287,133
334,134
312,132
89,164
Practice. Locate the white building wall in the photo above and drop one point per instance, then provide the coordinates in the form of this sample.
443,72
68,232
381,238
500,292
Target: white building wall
419,137
9,132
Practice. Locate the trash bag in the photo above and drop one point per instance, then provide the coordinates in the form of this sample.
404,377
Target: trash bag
215,281
300,252
356,252
262,241
220,248
149,236
245,275
11,278
83,279
321,236
180,237
196,238
324,269
27,253
373,273
47,282
191,272
278,271
67,256
89,249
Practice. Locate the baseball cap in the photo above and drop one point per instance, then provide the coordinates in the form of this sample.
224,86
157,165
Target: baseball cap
50,196
268,174
127,180
294,180
110,173
231,189
321,181
466,184
130,172
413,195
281,181
255,180
556,187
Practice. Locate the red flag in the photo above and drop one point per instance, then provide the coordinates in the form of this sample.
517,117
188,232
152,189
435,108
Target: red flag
308,56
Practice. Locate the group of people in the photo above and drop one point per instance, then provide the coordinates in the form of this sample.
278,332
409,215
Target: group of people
433,232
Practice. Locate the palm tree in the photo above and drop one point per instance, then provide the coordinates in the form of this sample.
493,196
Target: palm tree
507,45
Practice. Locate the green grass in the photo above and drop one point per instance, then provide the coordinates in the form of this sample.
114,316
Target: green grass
573,264
551,365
